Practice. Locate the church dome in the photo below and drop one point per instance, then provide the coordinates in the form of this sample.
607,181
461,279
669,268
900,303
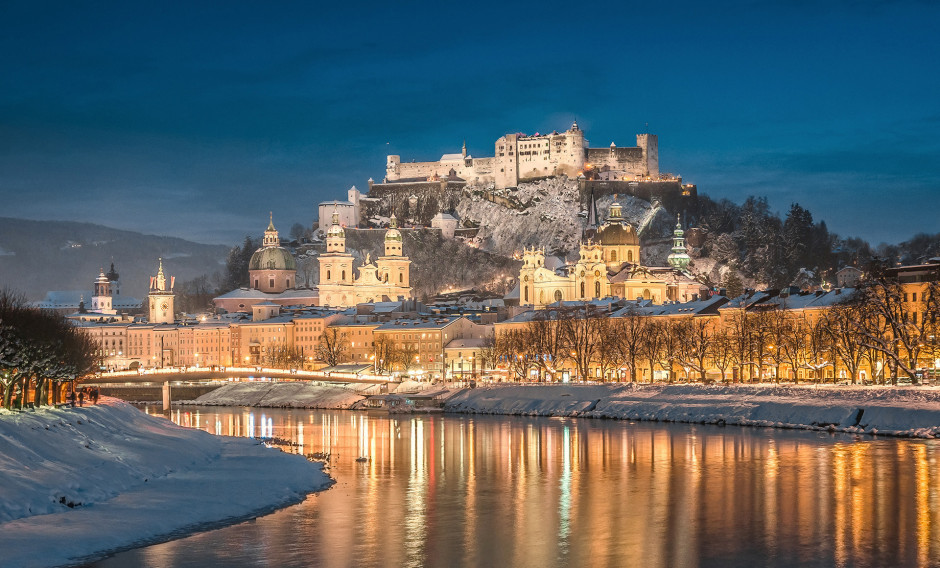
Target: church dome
616,234
616,231
393,235
335,231
272,258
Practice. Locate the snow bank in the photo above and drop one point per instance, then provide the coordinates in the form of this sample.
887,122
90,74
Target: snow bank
293,394
76,483
912,411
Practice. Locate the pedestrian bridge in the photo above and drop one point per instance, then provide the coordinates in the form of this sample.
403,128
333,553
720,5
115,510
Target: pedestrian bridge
204,374
189,383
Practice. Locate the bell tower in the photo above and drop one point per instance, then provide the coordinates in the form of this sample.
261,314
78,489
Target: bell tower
679,259
394,268
161,297
102,300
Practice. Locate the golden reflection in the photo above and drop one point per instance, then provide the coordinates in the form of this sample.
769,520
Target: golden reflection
558,492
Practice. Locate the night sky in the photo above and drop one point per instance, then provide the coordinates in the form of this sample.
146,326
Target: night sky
195,121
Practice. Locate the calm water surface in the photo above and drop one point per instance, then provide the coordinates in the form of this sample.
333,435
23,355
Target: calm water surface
507,491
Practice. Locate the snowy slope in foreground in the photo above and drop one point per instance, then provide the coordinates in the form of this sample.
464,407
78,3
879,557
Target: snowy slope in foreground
912,411
132,479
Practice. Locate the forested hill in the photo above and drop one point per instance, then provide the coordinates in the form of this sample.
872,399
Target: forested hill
38,256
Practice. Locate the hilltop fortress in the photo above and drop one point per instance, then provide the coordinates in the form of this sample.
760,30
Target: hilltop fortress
519,157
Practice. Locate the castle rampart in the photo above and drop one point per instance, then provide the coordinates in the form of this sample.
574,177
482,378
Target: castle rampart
520,157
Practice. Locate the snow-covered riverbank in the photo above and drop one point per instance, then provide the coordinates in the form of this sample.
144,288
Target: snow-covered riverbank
896,411
76,483
910,411
289,394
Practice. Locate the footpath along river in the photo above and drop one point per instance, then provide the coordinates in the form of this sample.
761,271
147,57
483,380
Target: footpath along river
446,490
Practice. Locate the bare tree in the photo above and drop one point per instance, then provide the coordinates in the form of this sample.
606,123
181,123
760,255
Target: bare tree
818,347
654,346
333,347
695,344
579,329
629,333
740,334
385,354
793,344
842,327
545,343
722,352
606,351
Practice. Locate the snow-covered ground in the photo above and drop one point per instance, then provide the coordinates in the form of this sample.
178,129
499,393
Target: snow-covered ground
288,394
900,411
76,483
911,411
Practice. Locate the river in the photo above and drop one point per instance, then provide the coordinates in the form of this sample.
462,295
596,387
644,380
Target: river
449,490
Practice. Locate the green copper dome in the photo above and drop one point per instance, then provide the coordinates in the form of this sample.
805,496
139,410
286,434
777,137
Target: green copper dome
272,258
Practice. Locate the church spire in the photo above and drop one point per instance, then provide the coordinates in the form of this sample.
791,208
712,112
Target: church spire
271,237
679,259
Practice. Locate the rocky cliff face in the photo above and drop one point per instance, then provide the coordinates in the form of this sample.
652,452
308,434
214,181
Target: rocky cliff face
548,213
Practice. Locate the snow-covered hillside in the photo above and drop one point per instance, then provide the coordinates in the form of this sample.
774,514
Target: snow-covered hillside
550,215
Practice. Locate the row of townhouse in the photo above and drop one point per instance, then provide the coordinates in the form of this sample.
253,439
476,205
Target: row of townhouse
252,342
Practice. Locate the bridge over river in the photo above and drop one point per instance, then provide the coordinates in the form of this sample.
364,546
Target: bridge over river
188,383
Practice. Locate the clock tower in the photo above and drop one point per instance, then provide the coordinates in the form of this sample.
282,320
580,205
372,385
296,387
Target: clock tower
161,297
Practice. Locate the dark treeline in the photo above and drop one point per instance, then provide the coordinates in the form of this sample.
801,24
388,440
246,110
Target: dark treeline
40,351
770,250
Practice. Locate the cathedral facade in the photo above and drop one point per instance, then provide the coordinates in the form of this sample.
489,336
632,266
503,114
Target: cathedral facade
608,266
386,278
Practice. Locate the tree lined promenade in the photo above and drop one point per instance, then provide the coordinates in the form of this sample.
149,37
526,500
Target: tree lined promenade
882,331
41,354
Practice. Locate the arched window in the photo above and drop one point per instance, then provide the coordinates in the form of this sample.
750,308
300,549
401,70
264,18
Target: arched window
271,282
597,289
343,278
558,295
613,256
257,286
327,274
629,256
527,294
541,296
646,294
288,282
401,278
582,289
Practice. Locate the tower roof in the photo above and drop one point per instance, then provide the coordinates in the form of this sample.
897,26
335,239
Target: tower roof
335,230
393,234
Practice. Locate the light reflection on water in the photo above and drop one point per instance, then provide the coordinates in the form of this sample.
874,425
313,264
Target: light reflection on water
508,491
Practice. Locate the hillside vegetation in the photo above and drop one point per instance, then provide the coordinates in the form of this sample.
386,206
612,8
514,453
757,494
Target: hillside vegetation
38,256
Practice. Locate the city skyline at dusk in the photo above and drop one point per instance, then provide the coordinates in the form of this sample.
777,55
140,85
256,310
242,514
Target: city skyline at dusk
194,121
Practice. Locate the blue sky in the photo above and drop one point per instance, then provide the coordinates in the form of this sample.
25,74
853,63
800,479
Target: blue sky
196,120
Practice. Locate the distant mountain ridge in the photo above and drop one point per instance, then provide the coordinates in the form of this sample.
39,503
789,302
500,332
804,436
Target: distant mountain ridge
39,256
